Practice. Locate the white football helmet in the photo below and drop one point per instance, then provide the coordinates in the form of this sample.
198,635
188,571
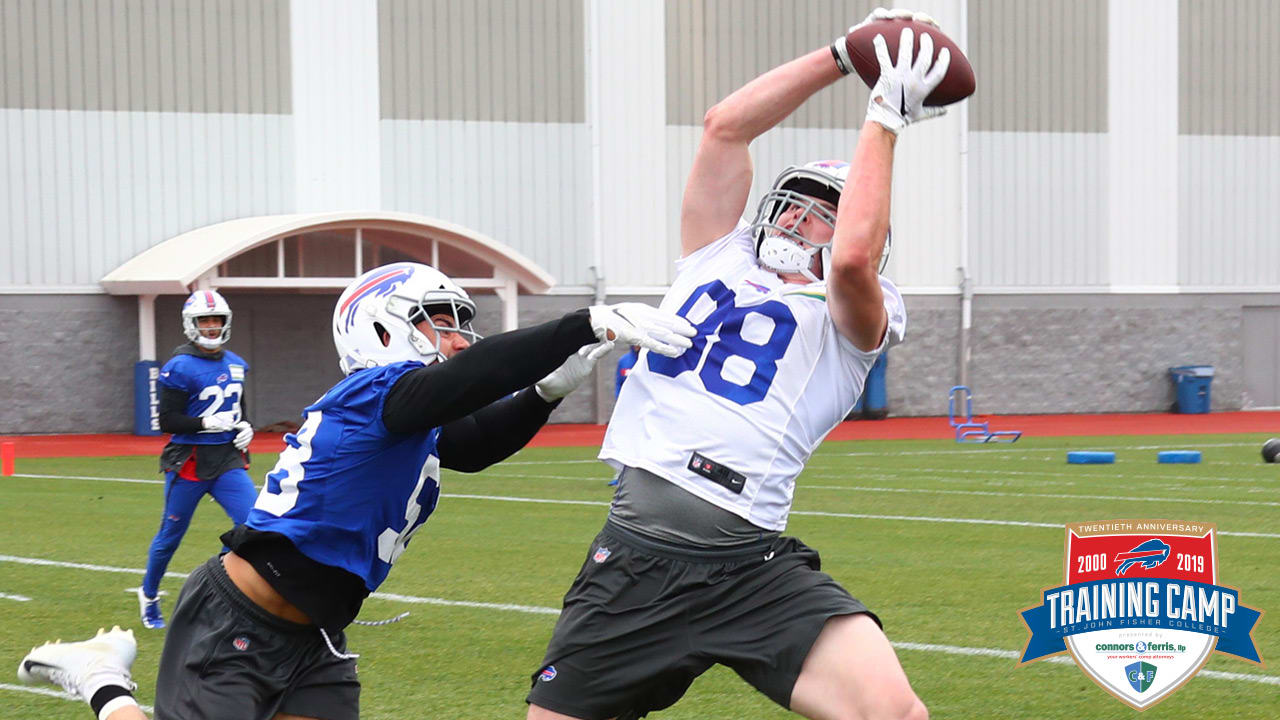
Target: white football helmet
391,299
203,303
784,250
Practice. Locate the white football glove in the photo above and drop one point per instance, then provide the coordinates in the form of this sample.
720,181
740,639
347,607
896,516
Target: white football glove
840,47
639,324
244,435
897,100
218,422
576,369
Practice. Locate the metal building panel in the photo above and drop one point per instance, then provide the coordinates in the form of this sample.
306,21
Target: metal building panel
89,190
1228,67
335,101
523,184
1228,212
715,46
626,96
482,60
1038,210
128,55
1143,148
1042,66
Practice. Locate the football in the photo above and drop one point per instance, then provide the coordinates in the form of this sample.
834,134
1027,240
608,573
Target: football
1271,449
956,86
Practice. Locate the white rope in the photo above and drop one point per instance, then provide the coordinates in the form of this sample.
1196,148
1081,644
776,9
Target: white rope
377,623
334,650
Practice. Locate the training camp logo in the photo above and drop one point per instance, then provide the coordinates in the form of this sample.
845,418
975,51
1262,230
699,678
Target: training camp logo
1141,609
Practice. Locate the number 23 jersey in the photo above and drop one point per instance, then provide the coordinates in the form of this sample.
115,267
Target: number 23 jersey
767,378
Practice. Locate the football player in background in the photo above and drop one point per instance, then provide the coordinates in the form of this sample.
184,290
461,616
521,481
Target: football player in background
202,404
691,568
353,486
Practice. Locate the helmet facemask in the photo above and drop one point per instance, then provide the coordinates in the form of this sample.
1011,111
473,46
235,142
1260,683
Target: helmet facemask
783,249
201,304
414,313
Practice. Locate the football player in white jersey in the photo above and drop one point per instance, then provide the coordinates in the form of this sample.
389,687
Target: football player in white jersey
691,568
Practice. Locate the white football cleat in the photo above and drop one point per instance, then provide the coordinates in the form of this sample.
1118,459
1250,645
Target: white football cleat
82,668
149,608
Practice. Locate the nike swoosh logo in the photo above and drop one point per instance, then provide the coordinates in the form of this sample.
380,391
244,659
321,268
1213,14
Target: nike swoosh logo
35,664
904,103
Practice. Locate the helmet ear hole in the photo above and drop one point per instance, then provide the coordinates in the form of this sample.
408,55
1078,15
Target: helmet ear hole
384,337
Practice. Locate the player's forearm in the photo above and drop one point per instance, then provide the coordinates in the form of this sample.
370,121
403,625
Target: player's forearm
863,216
764,102
494,367
493,433
170,412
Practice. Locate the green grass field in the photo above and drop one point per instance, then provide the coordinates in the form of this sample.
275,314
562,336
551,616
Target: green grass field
894,521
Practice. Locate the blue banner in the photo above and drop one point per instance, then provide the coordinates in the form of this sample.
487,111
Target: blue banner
1214,610
146,402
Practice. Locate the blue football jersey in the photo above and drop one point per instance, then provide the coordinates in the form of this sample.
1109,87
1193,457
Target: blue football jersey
212,386
348,492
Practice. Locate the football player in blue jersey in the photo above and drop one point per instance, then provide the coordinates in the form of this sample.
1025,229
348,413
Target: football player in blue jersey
202,404
257,632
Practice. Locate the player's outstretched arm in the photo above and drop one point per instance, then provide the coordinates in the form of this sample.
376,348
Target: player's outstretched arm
854,297
501,364
720,179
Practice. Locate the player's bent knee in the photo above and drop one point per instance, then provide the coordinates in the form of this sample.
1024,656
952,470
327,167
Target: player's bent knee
917,711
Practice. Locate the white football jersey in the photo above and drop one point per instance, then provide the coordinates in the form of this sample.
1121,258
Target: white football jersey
767,378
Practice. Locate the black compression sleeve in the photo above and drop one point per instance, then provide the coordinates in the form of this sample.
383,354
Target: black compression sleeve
492,433
492,368
173,412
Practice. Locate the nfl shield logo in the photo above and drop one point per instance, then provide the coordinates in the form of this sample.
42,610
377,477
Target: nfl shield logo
1141,675
602,554
241,643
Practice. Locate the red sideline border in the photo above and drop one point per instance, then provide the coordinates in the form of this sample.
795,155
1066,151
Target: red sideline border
907,428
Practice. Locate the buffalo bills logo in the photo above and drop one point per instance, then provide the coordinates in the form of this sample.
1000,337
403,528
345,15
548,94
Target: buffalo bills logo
380,285
205,298
1150,554
548,673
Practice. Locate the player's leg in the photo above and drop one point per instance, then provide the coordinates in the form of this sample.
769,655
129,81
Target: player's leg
541,713
95,670
234,491
180,499
852,672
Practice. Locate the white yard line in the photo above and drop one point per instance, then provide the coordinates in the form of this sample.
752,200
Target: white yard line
859,516
15,598
536,610
1098,472
1056,496
993,450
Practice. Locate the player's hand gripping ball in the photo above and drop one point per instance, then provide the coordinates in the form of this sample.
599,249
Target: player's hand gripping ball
959,82
1271,450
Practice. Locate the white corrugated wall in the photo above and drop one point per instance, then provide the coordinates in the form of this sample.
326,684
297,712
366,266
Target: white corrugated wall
565,128
127,123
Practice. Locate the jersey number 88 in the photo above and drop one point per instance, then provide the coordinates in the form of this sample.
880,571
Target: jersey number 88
720,337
